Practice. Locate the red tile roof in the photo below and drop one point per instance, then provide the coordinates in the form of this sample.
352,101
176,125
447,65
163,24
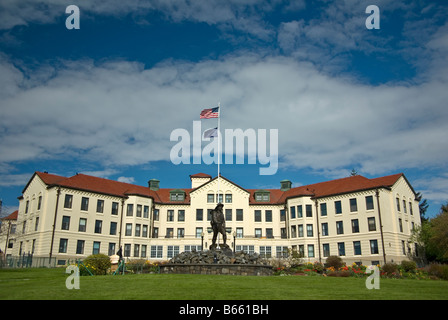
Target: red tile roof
12,216
121,189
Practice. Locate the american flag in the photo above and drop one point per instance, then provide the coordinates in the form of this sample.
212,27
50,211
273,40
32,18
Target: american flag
210,113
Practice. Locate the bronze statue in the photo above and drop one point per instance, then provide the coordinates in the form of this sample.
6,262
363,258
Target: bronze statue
218,225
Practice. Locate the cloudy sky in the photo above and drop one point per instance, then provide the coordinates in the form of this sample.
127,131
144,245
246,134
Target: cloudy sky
104,99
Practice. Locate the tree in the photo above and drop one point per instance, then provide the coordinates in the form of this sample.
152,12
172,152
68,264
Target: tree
423,206
353,173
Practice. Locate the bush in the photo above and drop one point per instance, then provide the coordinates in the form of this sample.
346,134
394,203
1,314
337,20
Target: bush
98,264
389,268
335,262
408,266
438,270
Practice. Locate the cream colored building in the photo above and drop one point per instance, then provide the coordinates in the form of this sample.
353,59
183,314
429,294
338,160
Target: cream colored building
360,219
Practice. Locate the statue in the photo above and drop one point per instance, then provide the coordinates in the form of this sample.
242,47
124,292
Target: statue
219,226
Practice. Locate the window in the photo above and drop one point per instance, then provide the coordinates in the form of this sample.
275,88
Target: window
199,232
181,215
169,233
262,195
341,249
309,230
257,232
80,247
265,251
338,207
371,223
210,198
99,206
239,233
199,214
228,198
257,215
282,215
339,227
410,208
353,205
139,210
170,215
283,233
114,208
113,228
63,245
180,232
357,248
156,215
138,228
400,224
404,206
323,209
146,212
84,204
219,198
281,252
128,231
299,211
130,210
96,247
144,246
68,201
39,203
326,249
155,232
82,224
136,250
239,214
145,231
373,246
228,214
369,202
311,251
177,195
27,206
293,232
111,250
300,228
127,250
65,223
269,233
172,251
325,229
355,225
398,204
36,224
292,210
98,226
268,215
309,210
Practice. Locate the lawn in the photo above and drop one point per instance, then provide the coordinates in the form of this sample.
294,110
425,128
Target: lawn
50,284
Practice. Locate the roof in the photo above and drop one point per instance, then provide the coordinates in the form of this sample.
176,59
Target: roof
12,216
200,175
162,196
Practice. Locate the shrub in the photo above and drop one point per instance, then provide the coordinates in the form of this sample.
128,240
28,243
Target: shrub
438,270
334,261
98,264
408,266
389,268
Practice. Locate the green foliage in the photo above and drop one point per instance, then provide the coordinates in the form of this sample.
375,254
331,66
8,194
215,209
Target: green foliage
98,264
408,266
334,261
389,268
438,270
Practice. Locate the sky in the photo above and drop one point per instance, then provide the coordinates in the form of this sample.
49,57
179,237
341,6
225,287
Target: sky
104,99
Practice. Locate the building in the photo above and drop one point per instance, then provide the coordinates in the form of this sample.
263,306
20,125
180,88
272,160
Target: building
360,219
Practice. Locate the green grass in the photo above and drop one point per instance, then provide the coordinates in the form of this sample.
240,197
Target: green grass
50,284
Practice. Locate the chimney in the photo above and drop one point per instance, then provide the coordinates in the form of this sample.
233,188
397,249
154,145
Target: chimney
153,184
285,185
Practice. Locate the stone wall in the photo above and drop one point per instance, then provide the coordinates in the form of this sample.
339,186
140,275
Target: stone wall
226,269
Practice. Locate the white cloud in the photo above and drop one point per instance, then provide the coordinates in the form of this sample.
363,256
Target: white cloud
118,113
126,179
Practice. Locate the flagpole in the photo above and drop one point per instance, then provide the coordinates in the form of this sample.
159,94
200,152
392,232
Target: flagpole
219,155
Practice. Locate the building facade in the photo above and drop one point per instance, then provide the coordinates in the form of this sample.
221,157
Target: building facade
361,220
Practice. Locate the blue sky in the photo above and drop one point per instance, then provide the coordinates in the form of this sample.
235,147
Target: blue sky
103,99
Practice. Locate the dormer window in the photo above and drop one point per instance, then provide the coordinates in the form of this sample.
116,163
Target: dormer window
262,195
177,195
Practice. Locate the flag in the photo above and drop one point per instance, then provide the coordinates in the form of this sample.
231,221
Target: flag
209,133
210,113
